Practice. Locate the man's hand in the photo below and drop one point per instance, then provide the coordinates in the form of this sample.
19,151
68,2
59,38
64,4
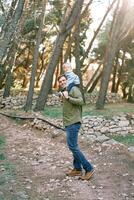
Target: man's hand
65,94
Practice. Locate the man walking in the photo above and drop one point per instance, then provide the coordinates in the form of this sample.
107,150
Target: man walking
72,116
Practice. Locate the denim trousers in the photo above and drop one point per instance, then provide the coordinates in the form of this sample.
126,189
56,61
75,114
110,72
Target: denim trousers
79,160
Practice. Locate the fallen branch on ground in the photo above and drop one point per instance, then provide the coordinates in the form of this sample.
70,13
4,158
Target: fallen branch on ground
32,118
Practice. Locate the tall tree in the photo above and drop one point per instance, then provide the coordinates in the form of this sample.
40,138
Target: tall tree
28,104
93,79
115,68
121,27
9,31
9,76
77,54
120,72
67,23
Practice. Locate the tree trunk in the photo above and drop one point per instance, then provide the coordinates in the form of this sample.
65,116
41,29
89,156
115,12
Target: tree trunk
91,89
65,28
121,29
9,77
77,55
57,73
106,74
42,69
130,95
8,83
93,77
2,75
120,72
115,66
109,58
8,34
67,53
28,104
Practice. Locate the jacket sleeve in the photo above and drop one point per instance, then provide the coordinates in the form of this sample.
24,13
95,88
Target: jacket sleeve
75,96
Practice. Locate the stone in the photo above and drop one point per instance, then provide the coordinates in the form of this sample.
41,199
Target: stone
2,196
90,131
102,138
91,138
110,142
21,195
131,149
104,130
123,123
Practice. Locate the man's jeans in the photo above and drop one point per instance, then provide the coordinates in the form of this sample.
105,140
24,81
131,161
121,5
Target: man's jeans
79,160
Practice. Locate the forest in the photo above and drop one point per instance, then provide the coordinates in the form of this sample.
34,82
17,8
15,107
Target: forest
37,37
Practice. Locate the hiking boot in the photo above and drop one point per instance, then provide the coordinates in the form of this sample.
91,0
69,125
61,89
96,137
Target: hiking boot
87,176
74,172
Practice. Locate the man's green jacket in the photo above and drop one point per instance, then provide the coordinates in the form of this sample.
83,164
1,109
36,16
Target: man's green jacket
72,108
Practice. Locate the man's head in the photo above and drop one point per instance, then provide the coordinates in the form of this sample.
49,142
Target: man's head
67,67
62,79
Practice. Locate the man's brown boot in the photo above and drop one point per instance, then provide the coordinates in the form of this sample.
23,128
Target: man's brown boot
74,172
87,176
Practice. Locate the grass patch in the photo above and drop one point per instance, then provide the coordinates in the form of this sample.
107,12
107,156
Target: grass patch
18,121
7,166
127,139
2,156
2,141
2,180
89,109
53,111
8,172
109,110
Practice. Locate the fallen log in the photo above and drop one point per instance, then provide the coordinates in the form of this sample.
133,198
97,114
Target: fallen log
32,118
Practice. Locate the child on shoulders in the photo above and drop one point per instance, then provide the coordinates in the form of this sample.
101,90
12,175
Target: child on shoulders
72,78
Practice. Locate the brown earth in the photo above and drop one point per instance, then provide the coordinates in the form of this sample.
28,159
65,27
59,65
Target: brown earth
36,164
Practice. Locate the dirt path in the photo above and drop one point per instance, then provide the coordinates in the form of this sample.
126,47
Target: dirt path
36,164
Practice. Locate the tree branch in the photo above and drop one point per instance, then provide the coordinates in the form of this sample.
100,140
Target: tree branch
97,31
32,118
